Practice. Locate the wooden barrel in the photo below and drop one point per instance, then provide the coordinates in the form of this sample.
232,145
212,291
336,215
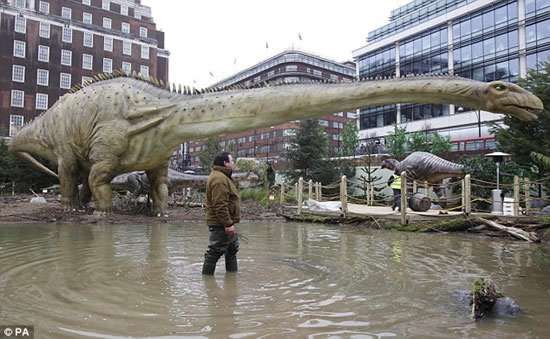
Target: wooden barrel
420,202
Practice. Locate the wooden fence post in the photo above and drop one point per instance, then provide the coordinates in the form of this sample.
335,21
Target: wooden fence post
296,191
320,191
371,194
403,198
300,194
344,195
282,197
415,186
467,194
317,191
527,189
463,194
310,189
515,208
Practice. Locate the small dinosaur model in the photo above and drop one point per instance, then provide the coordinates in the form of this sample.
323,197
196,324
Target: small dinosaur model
120,124
424,166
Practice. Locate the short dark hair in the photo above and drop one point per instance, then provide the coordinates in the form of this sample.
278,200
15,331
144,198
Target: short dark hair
221,159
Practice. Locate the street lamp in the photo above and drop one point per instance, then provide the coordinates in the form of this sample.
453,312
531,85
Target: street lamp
499,158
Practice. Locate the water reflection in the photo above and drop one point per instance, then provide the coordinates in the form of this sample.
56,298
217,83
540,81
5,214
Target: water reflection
296,280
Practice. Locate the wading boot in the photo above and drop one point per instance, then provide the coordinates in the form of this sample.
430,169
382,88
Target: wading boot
231,264
209,266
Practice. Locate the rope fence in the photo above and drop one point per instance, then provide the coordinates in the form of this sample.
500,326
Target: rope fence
457,193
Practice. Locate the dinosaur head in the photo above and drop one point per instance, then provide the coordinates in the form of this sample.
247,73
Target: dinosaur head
391,164
508,98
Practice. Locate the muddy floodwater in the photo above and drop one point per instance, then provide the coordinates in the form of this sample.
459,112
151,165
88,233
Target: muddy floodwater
295,281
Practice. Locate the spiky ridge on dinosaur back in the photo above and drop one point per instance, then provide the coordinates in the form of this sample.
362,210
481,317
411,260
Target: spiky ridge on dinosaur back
187,90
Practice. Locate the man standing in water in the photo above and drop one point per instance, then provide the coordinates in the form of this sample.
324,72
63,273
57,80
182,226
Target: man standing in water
222,213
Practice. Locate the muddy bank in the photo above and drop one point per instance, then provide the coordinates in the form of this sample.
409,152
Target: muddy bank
19,210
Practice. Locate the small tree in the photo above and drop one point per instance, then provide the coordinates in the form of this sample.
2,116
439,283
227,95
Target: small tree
307,152
418,142
213,148
350,138
440,144
397,142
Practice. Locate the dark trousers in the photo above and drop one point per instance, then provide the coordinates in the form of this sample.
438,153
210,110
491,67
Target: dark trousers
396,198
220,244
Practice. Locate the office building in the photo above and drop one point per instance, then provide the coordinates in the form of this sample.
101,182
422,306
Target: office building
484,40
48,46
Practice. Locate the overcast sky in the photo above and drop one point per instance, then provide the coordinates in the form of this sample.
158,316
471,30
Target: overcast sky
210,40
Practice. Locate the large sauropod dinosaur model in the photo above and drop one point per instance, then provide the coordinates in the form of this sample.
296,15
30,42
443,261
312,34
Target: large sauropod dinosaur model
424,166
123,124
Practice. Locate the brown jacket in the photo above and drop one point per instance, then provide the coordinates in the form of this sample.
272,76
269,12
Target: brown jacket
223,204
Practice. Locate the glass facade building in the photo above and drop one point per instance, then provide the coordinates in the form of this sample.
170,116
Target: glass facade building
482,40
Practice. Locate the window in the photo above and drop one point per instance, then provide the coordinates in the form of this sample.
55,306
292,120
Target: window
107,23
67,35
88,39
291,68
43,53
41,101
20,24
125,28
106,5
87,61
145,52
44,7
18,73
143,32
108,44
19,48
16,122
65,80
87,2
66,13
86,80
21,3
44,31
126,47
126,67
144,70
42,77
87,18
107,65
323,123
124,10
17,98
66,57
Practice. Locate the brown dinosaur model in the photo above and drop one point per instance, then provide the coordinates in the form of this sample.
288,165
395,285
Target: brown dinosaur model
120,124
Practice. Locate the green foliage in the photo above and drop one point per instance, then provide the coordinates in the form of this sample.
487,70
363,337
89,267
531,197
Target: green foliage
259,194
213,148
306,153
440,144
350,138
246,165
418,142
397,142
483,168
19,171
541,159
522,138
434,143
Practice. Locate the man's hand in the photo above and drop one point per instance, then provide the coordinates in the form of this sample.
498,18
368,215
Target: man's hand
231,230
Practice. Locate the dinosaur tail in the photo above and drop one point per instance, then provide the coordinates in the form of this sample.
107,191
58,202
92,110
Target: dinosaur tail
35,163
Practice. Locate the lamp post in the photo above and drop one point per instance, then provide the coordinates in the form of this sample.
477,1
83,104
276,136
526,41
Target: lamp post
499,158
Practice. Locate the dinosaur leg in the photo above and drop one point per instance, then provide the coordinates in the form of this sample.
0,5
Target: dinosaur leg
99,182
85,193
158,178
68,179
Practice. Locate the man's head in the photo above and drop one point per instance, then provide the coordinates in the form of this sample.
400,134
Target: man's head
224,159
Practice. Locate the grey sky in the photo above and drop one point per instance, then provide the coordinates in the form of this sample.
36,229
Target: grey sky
213,39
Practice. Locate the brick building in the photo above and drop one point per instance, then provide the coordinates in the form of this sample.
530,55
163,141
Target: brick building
48,46
288,66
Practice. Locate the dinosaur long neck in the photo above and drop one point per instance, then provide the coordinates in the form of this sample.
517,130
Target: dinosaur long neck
234,111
